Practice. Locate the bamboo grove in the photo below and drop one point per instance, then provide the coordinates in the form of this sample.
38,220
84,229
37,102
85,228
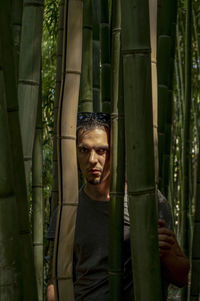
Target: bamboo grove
137,60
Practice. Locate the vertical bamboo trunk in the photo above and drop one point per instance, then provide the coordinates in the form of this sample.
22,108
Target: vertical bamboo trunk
8,65
86,91
54,201
10,280
68,178
186,143
153,36
166,46
96,56
105,56
195,276
139,149
117,163
29,75
37,201
17,10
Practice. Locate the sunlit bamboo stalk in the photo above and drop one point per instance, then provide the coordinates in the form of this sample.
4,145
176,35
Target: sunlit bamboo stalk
153,36
68,177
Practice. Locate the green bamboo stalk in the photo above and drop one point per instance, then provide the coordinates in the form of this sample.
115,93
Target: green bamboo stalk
166,46
96,56
10,280
54,201
180,61
186,235
117,163
195,275
29,75
136,52
37,201
105,56
68,177
17,9
26,259
186,148
86,85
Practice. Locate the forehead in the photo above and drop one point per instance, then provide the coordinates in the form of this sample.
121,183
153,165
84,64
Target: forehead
97,136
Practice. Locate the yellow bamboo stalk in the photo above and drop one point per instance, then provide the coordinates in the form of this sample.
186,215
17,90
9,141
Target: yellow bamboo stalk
153,37
68,177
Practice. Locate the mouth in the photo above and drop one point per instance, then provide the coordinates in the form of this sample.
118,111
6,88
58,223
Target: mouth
94,171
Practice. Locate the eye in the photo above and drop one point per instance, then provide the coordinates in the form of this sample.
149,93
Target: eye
101,151
83,149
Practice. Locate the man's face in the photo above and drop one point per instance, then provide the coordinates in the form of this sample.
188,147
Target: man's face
93,155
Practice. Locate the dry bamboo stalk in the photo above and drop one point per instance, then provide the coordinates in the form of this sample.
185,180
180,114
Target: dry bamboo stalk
68,177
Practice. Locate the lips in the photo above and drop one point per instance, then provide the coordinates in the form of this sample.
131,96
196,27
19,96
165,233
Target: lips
94,171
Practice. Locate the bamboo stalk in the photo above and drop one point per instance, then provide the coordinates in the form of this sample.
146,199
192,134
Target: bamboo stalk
117,163
136,53
195,275
186,147
10,280
186,235
17,10
29,75
96,56
86,95
26,259
166,46
153,36
68,178
37,200
54,201
105,56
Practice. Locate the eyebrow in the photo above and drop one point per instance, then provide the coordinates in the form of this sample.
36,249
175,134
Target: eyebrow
106,147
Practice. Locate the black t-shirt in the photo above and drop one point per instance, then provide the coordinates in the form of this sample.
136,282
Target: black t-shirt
91,248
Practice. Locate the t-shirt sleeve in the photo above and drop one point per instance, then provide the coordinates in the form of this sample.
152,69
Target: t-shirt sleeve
164,211
52,226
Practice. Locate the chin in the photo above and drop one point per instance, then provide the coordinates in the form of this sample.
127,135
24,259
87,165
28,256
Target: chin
94,181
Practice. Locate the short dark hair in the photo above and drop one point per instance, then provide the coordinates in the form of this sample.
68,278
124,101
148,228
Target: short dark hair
91,120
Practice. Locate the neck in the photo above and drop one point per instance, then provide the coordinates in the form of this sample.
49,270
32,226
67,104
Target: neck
99,192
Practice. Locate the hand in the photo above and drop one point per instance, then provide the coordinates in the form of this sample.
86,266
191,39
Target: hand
166,239
50,293
174,263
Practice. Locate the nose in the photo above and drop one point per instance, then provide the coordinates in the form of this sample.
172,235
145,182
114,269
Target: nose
93,156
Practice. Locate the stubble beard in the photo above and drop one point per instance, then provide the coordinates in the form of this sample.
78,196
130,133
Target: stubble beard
94,182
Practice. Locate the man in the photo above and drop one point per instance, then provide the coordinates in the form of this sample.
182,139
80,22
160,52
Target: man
91,232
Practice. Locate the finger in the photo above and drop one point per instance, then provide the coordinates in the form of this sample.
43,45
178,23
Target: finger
166,231
164,245
166,238
161,223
